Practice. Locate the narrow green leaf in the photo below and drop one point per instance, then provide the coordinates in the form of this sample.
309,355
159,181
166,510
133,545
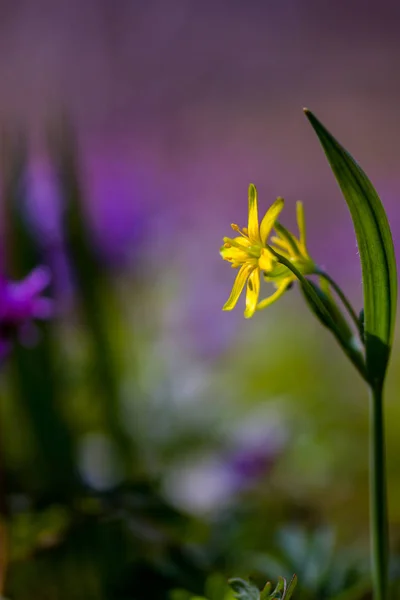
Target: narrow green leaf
376,251
266,591
93,286
290,588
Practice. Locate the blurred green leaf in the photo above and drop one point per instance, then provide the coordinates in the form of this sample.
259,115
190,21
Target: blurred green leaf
34,370
376,251
30,531
266,591
290,588
93,286
180,595
358,591
322,571
216,587
285,589
244,590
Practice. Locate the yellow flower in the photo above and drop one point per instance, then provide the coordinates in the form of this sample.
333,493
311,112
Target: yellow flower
250,253
294,250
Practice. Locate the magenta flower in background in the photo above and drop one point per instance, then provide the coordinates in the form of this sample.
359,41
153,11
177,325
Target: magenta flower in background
21,302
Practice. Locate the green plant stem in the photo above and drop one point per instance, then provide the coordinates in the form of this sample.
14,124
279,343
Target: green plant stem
378,500
355,357
343,298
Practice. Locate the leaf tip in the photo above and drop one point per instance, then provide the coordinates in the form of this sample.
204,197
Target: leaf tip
310,116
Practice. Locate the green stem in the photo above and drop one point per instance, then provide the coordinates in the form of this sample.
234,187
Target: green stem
343,298
354,355
378,501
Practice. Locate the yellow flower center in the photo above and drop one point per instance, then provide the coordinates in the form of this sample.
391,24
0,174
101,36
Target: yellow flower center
241,250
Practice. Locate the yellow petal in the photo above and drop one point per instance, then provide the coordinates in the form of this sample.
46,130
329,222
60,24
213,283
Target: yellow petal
279,242
269,219
238,285
238,242
226,253
235,255
253,228
242,241
301,222
235,249
266,261
292,245
253,291
275,296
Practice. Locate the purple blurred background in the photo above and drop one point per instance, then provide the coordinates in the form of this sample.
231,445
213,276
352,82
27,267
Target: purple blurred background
180,105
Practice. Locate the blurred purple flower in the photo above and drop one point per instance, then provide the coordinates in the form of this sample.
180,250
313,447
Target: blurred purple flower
21,303
210,483
257,446
248,464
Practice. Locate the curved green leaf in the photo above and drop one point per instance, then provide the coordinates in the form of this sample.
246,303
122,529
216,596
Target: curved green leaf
376,251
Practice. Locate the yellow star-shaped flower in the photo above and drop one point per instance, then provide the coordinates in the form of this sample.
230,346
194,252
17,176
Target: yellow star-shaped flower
251,254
